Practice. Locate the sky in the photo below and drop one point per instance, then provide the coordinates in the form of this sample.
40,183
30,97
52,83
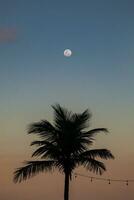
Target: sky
34,74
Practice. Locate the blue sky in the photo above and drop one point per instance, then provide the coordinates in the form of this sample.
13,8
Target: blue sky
34,72
100,34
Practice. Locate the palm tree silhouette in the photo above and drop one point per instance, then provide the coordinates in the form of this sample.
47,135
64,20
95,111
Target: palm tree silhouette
64,146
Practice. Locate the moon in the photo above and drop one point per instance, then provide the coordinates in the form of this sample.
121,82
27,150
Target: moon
67,52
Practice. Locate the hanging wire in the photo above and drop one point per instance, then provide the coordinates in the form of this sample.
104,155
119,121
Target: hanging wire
104,179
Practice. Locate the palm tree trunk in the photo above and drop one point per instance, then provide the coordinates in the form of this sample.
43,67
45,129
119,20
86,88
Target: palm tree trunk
66,186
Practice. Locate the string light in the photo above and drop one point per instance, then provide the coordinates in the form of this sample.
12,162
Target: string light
104,179
75,176
127,182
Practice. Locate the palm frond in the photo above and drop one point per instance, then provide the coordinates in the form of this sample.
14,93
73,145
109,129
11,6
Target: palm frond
32,168
102,153
92,133
80,145
61,115
61,112
81,121
49,150
42,128
92,165
38,143
40,151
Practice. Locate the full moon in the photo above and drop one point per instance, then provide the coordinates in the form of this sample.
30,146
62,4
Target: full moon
67,52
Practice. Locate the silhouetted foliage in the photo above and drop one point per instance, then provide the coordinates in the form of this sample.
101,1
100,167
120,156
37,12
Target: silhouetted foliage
64,145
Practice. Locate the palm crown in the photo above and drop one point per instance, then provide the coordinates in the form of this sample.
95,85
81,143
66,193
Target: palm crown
64,145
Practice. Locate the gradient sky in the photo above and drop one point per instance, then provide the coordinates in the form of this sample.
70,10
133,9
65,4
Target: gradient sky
99,75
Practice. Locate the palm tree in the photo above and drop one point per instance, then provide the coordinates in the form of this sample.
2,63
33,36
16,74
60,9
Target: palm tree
64,145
